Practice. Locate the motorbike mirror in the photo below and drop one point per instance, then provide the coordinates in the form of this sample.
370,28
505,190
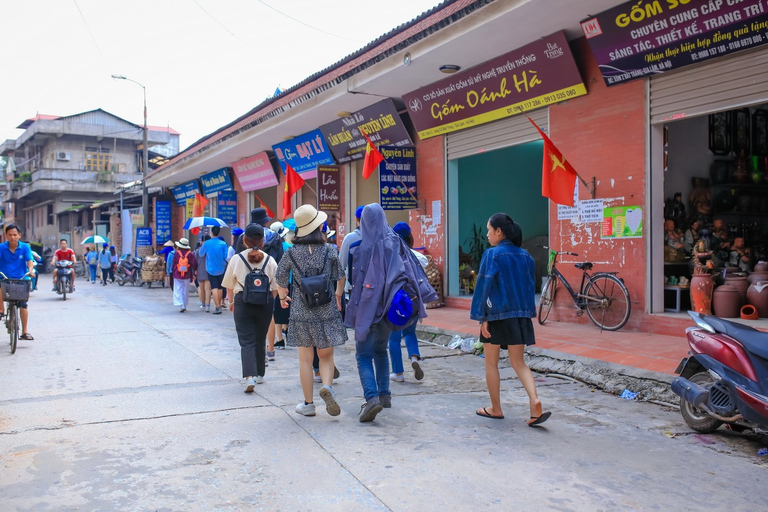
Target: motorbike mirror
701,322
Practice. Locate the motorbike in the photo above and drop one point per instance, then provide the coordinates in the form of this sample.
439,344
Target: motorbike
64,275
725,379
129,270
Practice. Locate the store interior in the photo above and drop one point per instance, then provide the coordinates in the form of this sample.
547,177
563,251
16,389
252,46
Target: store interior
716,213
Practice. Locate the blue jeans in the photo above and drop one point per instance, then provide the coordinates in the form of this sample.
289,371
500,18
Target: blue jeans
411,343
92,268
370,354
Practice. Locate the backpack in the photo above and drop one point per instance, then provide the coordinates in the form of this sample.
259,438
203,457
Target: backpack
314,290
256,285
183,264
274,247
415,291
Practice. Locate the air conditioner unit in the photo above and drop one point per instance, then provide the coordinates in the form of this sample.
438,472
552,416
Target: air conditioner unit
63,156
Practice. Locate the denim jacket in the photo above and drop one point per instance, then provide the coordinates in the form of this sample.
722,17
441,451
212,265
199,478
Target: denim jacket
505,284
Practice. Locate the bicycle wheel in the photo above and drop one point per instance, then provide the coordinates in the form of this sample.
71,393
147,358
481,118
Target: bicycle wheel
13,326
608,303
547,298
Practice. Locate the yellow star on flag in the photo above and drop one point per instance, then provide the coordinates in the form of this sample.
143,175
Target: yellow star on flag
556,162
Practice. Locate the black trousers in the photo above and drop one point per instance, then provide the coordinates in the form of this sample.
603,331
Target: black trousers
252,324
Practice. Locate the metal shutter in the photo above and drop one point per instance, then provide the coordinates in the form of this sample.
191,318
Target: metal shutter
498,134
726,83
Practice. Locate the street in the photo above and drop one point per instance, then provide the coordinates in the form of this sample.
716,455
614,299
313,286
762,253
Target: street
122,403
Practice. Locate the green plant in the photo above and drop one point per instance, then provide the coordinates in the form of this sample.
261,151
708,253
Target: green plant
478,243
25,177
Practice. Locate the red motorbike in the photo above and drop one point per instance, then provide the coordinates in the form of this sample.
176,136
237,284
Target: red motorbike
725,379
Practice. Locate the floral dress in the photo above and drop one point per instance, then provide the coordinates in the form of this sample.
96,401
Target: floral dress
321,326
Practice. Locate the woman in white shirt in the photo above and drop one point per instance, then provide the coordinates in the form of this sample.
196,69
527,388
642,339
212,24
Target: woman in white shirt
251,321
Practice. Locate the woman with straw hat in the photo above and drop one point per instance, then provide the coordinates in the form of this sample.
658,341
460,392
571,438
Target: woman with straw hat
184,267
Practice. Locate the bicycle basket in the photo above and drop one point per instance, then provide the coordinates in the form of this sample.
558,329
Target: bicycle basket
16,289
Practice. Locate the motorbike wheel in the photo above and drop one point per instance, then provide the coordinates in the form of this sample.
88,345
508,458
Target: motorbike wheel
699,420
120,281
64,286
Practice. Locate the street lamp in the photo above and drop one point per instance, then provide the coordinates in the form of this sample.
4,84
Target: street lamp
145,155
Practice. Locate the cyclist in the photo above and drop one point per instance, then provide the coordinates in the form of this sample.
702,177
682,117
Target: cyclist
15,261
64,253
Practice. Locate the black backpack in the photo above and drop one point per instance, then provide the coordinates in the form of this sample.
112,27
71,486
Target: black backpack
256,285
314,290
274,247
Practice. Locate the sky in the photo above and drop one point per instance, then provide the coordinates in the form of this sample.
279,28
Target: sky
203,62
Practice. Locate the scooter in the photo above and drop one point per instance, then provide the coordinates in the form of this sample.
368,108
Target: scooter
725,379
64,274
129,270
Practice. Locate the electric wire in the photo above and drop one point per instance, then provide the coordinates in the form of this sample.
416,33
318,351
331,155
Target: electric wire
93,38
217,21
306,24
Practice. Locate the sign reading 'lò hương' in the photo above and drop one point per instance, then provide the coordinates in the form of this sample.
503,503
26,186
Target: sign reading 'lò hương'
328,188
380,122
647,37
531,77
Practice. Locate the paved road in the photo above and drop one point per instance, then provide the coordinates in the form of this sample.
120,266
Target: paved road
122,403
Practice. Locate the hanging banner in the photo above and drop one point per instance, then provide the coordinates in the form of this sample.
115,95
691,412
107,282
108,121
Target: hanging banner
227,207
304,152
189,209
215,181
185,191
397,179
380,122
162,221
531,77
623,222
328,188
255,172
143,238
647,37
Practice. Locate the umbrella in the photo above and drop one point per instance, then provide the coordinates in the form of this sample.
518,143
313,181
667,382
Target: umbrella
196,222
95,239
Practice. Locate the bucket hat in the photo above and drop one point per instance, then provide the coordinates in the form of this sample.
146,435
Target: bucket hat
259,216
308,219
278,228
183,243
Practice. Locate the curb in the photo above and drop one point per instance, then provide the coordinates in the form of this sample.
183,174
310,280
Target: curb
610,377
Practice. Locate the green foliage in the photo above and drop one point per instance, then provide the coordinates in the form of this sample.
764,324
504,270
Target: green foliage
478,243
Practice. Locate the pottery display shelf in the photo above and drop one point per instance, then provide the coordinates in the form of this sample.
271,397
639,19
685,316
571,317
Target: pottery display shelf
678,289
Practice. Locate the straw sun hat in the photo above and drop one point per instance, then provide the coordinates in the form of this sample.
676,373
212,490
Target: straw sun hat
308,219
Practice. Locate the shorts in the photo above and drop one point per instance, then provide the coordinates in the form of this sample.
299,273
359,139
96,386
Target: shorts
216,281
510,331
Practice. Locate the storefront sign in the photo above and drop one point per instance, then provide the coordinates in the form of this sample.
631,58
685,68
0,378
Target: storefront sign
304,152
328,188
143,237
397,178
185,191
189,208
531,77
227,206
646,37
380,122
163,221
255,172
623,222
215,181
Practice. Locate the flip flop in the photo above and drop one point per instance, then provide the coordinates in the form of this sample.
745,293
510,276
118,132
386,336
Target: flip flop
540,419
26,336
486,414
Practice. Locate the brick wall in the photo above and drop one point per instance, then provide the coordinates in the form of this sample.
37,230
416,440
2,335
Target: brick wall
430,165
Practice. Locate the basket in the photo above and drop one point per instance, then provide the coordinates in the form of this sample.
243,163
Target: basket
16,289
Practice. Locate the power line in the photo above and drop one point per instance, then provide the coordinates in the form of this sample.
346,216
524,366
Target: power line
217,21
306,24
89,29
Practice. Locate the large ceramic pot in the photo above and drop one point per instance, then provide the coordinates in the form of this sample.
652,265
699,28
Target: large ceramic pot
755,277
726,301
757,295
701,293
741,284
761,266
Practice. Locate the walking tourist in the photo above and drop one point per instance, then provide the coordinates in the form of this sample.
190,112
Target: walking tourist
184,268
92,260
203,284
215,252
105,263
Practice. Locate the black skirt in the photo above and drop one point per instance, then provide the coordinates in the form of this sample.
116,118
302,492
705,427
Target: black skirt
510,331
281,315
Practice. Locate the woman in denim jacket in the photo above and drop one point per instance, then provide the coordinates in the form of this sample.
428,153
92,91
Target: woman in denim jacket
504,302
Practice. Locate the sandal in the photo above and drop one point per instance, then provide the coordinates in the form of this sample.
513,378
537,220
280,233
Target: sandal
26,336
486,414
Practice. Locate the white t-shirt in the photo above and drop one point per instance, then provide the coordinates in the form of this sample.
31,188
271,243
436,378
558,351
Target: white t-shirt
423,261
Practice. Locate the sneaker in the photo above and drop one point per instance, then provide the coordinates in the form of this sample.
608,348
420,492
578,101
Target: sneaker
249,384
259,379
207,308
306,409
370,409
271,355
386,401
217,311
182,310
336,373
317,378
418,372
202,306
54,289
396,377
329,396
280,343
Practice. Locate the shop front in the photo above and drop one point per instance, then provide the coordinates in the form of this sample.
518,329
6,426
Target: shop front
258,183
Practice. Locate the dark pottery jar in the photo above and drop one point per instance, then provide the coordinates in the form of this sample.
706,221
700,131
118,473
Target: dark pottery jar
726,301
741,284
757,295
757,276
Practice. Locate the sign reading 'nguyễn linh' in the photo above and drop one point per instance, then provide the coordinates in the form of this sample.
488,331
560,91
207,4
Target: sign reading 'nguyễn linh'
531,77
215,181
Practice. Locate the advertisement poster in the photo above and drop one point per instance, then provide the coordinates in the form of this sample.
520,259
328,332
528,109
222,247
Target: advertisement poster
623,222
255,172
189,209
304,152
143,238
534,76
184,191
215,182
227,200
397,179
647,37
163,221
328,188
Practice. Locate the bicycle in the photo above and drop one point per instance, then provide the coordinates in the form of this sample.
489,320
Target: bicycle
15,291
602,295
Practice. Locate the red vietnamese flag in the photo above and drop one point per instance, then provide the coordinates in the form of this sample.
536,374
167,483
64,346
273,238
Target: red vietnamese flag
293,182
372,157
558,177
262,205
198,210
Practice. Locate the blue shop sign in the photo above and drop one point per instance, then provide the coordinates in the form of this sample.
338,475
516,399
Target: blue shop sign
228,207
185,190
143,238
397,178
163,221
215,181
304,152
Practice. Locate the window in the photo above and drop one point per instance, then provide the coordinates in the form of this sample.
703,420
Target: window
96,159
50,215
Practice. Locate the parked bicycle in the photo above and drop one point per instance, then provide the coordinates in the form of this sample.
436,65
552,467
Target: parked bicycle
602,295
15,291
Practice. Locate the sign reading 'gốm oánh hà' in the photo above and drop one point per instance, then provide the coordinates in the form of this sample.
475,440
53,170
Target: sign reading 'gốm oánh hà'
531,77
647,37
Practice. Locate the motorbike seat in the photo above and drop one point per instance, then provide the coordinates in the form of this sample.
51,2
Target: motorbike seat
584,266
753,340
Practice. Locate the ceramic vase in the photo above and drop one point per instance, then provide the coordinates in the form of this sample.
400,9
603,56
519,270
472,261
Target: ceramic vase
761,266
755,277
726,301
701,293
757,295
741,284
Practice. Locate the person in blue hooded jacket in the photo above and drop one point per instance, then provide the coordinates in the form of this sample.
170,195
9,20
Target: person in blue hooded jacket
504,304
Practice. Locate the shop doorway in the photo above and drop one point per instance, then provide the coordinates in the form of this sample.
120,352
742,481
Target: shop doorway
505,180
